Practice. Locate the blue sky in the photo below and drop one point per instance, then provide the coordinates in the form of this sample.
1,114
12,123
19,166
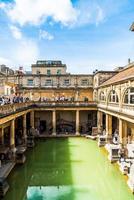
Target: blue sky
84,34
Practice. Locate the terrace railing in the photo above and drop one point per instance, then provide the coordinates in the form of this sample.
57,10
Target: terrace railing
116,107
13,108
8,109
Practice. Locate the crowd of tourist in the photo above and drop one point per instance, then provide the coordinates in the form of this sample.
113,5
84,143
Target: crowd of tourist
57,98
61,98
4,100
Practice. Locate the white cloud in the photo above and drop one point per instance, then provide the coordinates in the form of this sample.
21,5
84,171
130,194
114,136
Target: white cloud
45,35
16,32
100,15
36,12
90,12
25,52
2,5
61,11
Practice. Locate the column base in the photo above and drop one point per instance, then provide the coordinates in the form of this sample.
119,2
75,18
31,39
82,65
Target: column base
54,134
77,133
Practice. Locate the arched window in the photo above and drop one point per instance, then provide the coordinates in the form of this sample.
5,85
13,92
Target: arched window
102,96
129,96
113,97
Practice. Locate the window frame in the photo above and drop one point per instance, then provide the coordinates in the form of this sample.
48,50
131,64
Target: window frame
28,82
86,83
48,74
48,82
66,84
113,97
128,94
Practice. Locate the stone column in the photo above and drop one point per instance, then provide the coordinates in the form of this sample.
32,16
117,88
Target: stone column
24,128
124,130
109,124
99,121
32,119
77,122
12,134
121,130
2,135
54,122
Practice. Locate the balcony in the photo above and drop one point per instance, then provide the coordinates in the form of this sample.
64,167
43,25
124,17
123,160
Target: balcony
66,104
127,109
54,85
9,109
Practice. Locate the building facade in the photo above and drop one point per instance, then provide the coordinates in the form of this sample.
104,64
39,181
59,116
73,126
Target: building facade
64,103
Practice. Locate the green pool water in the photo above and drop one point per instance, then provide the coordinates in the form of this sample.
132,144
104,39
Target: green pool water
67,169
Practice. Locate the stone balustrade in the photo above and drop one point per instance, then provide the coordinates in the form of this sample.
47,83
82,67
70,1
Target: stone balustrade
124,109
16,107
12,108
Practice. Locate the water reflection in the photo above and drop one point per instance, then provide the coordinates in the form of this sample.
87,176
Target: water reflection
67,169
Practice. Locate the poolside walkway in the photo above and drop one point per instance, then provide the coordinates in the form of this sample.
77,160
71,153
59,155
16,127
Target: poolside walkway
6,169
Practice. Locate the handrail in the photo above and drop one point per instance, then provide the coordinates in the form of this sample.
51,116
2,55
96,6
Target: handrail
16,107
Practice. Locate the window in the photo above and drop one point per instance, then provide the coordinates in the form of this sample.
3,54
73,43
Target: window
129,96
84,82
102,96
48,72
113,98
38,72
58,71
30,82
66,82
48,82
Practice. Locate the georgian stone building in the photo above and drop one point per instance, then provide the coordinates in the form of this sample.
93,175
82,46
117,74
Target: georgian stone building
64,103
116,103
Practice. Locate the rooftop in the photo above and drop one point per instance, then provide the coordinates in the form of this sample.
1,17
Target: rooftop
124,74
49,63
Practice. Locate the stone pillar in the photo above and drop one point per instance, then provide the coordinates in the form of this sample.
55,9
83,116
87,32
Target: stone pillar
54,122
124,137
77,95
99,121
121,130
77,122
24,128
12,134
108,124
32,119
2,135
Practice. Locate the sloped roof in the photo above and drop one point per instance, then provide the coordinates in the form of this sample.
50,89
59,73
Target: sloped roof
126,73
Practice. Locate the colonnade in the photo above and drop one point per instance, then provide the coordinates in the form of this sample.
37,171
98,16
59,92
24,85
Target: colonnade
77,119
32,125
122,126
